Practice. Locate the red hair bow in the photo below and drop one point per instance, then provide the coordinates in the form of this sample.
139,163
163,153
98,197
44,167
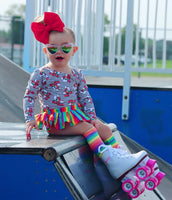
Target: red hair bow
52,23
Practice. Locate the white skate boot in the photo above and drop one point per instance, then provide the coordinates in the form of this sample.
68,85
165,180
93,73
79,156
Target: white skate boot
135,171
108,182
118,162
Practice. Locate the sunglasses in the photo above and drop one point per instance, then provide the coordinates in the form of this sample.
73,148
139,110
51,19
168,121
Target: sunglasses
66,48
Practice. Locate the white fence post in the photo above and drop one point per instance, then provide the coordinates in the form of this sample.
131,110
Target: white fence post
128,57
28,39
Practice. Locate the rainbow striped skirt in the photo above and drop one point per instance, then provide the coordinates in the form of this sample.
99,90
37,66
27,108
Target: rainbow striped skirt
59,116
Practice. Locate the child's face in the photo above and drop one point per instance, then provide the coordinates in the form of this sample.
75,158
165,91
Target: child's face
60,59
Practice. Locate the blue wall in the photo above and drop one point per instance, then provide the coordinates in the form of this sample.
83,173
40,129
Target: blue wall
149,121
30,177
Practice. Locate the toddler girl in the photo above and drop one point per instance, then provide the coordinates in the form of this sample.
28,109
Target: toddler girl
67,107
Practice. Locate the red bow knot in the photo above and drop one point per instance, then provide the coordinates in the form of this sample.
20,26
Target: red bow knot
52,23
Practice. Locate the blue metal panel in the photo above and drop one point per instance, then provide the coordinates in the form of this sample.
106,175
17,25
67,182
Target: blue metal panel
150,111
30,177
108,103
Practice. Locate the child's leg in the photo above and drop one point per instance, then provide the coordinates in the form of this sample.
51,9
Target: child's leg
87,130
106,179
94,140
116,162
106,134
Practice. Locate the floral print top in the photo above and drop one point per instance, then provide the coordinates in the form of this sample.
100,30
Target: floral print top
55,90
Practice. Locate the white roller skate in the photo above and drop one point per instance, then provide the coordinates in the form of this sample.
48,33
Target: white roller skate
118,162
152,181
108,182
133,182
148,176
135,171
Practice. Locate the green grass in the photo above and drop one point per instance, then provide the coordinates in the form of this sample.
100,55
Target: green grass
159,66
158,75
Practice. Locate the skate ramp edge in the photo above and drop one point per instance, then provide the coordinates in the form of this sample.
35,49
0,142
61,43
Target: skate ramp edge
13,82
52,167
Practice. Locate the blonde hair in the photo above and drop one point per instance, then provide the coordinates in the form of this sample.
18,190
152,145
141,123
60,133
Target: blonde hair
68,30
40,19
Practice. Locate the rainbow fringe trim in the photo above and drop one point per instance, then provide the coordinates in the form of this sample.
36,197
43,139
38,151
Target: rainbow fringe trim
57,117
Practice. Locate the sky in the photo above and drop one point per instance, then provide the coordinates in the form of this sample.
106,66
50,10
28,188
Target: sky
5,4
143,15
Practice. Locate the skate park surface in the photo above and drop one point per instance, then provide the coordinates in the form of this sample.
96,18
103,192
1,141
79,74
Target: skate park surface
13,81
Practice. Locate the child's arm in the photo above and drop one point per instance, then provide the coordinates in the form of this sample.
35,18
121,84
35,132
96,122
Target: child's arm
85,99
29,101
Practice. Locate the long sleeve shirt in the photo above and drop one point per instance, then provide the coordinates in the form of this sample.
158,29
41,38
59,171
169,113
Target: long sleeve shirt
55,90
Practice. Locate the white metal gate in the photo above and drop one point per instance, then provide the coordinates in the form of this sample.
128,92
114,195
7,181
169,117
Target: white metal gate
88,19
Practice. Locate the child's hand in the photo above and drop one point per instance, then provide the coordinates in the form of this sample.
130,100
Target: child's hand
97,124
29,125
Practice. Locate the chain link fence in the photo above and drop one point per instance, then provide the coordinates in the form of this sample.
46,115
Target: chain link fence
12,38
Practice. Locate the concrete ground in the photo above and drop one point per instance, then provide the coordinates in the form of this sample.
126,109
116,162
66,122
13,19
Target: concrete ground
135,81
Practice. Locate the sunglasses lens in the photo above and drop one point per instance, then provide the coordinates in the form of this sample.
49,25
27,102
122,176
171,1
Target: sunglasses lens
52,50
66,48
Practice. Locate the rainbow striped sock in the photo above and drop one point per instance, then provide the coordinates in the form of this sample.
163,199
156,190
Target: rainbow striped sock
111,141
93,140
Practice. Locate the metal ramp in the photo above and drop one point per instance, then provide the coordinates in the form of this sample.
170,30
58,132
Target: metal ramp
51,167
13,82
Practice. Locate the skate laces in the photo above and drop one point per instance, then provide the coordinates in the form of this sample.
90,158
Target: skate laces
119,151
122,149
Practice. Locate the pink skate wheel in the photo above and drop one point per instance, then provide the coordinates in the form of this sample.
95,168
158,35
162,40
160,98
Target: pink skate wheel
128,185
151,183
142,172
159,177
151,163
137,191
134,193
